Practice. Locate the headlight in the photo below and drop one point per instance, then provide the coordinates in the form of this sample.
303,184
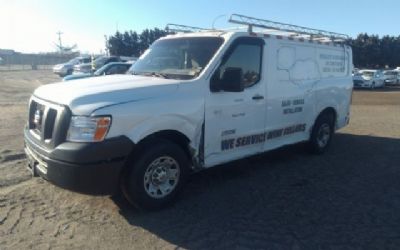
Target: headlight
88,129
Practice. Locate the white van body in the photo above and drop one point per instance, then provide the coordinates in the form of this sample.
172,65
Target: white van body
298,80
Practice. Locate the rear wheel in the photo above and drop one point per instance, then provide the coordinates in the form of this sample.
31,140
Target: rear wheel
156,175
322,133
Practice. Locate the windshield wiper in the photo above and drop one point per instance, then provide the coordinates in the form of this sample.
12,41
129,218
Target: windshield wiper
162,75
155,74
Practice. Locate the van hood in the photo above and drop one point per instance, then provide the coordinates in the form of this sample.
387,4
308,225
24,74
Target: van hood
83,96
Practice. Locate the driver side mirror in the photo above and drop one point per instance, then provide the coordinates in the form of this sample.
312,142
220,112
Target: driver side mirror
231,80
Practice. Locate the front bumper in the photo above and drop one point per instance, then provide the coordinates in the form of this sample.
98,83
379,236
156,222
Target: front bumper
92,168
362,85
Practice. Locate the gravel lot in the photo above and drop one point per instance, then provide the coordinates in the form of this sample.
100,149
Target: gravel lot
348,198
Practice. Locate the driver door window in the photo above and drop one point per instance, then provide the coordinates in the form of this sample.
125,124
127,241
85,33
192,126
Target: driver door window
247,57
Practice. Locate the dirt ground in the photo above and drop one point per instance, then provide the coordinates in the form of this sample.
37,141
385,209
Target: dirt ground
348,198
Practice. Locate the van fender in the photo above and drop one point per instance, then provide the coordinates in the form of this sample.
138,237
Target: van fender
190,128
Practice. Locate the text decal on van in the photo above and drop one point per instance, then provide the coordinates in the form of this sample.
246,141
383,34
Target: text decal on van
260,138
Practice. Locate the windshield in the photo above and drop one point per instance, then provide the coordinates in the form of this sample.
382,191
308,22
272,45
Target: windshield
390,73
73,61
368,73
180,58
100,60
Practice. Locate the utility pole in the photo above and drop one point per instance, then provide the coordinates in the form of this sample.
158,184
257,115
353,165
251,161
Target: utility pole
59,33
107,45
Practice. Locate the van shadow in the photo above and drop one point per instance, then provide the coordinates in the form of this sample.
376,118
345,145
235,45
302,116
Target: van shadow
288,199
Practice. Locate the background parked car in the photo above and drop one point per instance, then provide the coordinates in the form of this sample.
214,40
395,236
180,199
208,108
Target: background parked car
98,63
64,69
128,58
397,70
398,78
391,77
369,78
108,69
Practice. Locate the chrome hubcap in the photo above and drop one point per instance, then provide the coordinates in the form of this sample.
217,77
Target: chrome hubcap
161,177
324,133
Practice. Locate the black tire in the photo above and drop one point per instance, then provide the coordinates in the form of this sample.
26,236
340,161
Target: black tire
133,185
323,122
69,72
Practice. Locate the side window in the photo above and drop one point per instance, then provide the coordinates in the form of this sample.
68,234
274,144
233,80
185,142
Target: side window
117,69
112,70
124,68
247,57
121,69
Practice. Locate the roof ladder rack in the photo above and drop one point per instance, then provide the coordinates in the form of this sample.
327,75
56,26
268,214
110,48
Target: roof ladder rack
178,28
289,29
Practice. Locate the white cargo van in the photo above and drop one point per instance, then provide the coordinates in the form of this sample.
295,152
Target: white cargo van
194,100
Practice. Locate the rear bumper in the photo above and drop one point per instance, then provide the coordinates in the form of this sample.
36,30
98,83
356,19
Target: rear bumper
92,168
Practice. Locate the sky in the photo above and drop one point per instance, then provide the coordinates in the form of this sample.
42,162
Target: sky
31,25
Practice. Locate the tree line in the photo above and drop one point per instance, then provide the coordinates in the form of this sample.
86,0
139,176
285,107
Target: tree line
130,43
369,51
372,51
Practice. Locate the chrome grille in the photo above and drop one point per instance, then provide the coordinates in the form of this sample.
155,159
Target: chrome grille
43,121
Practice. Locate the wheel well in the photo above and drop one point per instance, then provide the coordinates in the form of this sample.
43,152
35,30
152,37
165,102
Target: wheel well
330,111
170,135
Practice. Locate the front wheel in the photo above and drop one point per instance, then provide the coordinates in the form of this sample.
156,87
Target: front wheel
156,176
322,133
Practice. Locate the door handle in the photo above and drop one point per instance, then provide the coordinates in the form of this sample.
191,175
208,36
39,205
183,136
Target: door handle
258,97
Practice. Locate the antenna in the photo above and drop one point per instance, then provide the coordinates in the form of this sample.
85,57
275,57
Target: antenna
215,19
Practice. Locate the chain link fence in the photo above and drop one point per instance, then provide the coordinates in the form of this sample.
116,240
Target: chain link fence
18,61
